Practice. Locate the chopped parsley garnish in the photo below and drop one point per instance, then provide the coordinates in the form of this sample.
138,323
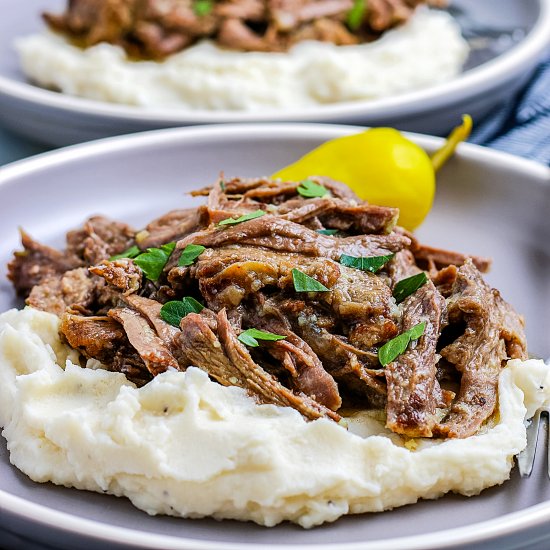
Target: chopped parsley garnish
396,346
190,253
153,261
365,263
203,7
251,336
243,218
408,286
305,283
173,312
168,248
310,189
327,231
132,252
355,16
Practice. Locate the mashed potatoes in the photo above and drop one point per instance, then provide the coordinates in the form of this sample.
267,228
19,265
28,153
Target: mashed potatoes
185,446
428,50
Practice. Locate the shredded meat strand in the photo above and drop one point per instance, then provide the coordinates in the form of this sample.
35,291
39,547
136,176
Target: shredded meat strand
479,353
411,378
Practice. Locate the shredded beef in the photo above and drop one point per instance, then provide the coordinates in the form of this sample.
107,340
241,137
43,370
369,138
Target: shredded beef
73,289
227,276
122,274
155,354
36,263
99,239
229,362
275,191
96,337
338,214
441,258
306,369
104,339
345,362
478,354
154,29
444,384
279,234
170,227
411,379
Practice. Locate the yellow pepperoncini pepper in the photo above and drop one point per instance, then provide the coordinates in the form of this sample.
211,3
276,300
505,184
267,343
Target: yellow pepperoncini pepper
383,167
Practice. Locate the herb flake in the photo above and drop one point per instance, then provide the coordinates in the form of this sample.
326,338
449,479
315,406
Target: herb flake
168,248
243,218
417,331
327,231
365,263
408,286
132,252
173,312
251,336
203,7
396,346
356,15
190,253
305,283
153,261
310,189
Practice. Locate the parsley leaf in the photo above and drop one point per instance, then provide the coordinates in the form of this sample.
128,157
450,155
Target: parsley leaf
392,349
203,7
396,346
251,336
243,218
173,312
153,261
327,231
310,189
408,286
368,263
355,16
168,247
417,331
305,283
190,253
132,252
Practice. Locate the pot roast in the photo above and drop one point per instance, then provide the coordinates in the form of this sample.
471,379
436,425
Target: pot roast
317,303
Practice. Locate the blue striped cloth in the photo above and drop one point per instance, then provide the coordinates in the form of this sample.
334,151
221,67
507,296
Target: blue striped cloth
522,126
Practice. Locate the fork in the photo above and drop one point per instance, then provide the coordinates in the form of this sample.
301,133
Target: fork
526,458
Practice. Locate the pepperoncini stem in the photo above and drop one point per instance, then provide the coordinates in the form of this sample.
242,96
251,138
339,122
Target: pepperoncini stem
460,133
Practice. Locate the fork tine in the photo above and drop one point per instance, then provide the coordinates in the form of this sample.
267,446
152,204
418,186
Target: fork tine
526,458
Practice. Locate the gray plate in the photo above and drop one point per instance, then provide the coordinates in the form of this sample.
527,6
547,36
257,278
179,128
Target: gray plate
487,203
508,39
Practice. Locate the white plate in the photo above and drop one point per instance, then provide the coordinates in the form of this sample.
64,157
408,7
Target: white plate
487,203
513,35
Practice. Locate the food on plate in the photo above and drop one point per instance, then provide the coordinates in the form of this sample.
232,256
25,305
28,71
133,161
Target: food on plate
284,351
155,29
243,54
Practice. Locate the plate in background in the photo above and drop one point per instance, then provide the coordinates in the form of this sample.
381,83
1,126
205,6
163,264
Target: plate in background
509,37
487,203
